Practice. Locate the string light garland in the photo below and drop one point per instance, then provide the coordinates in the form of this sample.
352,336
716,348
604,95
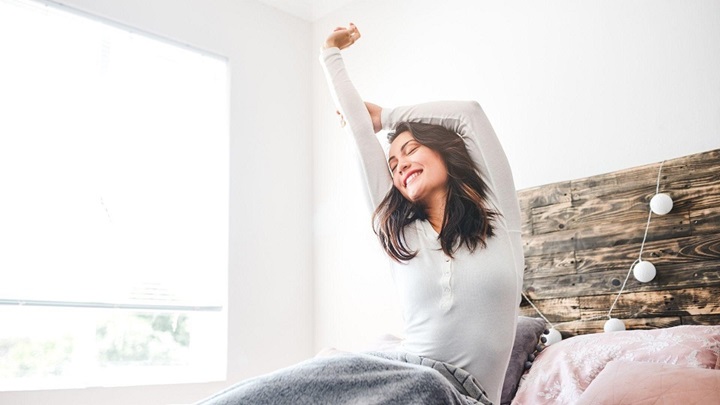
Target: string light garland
643,270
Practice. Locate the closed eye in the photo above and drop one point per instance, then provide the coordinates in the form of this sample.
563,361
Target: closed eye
392,163
407,149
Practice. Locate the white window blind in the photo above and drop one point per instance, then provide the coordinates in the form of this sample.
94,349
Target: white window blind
113,203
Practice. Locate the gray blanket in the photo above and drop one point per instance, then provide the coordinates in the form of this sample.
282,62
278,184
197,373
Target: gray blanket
370,378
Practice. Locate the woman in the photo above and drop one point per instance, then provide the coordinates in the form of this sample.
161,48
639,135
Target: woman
448,216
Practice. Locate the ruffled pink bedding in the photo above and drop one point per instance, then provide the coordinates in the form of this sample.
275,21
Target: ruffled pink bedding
564,371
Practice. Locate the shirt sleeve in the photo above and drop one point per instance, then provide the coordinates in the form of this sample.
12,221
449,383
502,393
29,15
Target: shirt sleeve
359,125
469,121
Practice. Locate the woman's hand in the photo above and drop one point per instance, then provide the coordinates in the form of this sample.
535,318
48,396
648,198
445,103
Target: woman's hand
342,37
373,109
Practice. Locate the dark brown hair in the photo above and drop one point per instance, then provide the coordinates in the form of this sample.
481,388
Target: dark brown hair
467,220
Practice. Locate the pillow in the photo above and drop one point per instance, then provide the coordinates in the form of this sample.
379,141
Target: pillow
565,369
527,336
629,382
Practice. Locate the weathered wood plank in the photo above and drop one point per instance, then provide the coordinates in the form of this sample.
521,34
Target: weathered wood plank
700,168
580,327
552,218
621,233
573,285
585,327
545,195
627,209
526,226
550,243
706,221
653,304
660,253
669,277
676,173
701,320
700,248
609,220
550,265
698,197
631,184
554,309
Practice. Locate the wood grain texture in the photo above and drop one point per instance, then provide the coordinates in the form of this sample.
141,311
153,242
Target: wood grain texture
582,236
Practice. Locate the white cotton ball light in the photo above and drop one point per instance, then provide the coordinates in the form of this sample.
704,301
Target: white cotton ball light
552,336
614,325
644,271
661,204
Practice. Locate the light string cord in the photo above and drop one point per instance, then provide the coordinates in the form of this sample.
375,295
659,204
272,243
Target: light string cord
536,309
617,297
627,277
642,246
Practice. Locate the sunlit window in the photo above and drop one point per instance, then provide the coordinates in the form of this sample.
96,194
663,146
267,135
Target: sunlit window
113,204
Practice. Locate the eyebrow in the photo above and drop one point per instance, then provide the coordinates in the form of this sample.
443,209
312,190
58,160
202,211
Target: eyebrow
402,149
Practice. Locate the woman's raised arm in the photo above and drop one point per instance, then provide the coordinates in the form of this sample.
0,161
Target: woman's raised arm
357,115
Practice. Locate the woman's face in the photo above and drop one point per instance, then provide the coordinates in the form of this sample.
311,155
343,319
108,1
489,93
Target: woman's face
418,172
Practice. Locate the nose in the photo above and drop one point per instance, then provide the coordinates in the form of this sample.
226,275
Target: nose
403,165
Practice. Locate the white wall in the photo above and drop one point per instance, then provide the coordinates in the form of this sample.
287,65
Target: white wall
270,263
573,89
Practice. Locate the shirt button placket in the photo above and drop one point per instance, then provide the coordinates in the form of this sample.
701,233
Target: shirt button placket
445,282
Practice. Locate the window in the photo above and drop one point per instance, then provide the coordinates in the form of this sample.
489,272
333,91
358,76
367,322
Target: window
114,206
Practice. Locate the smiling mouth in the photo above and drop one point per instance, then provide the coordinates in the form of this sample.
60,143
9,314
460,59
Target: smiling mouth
412,177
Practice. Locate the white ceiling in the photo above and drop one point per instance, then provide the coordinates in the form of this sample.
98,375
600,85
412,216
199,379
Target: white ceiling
309,10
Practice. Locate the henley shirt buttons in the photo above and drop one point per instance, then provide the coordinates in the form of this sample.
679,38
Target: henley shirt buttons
447,295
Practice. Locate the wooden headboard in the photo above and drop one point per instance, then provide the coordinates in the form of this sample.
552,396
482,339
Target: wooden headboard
581,237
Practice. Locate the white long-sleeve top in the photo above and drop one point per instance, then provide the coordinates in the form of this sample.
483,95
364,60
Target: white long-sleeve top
460,310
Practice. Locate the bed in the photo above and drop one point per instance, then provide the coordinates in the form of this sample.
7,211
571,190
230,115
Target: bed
581,237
